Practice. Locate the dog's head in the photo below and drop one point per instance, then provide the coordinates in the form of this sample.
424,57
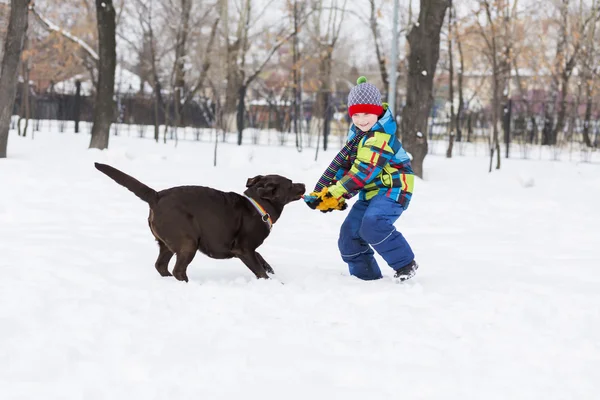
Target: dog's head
275,188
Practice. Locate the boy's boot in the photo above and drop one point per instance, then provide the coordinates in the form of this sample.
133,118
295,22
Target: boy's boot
406,272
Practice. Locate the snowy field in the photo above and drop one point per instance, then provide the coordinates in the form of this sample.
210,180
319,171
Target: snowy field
506,304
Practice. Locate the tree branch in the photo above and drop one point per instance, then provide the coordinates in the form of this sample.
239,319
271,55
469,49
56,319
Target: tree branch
275,47
51,27
206,64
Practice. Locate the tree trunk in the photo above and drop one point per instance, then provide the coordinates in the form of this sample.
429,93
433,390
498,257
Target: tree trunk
461,101
494,144
235,57
77,106
296,88
240,112
588,114
13,48
469,127
205,64
562,111
558,87
159,102
326,120
104,107
451,82
322,106
373,24
424,41
157,112
180,58
548,123
25,104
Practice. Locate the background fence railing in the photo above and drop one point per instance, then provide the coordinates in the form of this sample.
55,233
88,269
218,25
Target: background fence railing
525,125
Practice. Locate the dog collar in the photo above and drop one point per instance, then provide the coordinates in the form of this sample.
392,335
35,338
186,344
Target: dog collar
263,214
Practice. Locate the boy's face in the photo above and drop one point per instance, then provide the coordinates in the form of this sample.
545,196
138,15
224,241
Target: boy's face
364,121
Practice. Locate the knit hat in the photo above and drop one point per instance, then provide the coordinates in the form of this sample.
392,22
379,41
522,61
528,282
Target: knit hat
364,98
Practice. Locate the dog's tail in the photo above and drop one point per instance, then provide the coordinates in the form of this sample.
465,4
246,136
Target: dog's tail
142,191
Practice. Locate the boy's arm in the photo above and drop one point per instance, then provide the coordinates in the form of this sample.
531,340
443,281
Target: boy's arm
372,156
328,176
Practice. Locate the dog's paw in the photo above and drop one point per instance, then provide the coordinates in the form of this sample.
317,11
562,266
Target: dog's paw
181,277
269,270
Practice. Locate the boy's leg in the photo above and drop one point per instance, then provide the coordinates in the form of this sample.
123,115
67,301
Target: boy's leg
378,230
354,250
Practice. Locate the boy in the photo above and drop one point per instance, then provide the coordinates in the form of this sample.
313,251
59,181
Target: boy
373,164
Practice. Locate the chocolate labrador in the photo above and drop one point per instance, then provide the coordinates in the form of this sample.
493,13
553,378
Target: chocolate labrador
221,225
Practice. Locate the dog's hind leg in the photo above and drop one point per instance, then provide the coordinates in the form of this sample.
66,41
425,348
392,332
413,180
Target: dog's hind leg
251,259
265,264
162,262
185,255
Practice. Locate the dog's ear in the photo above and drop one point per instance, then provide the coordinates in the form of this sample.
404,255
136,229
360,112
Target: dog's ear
252,181
266,191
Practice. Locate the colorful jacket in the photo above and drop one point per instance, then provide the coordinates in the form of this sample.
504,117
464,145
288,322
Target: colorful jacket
371,163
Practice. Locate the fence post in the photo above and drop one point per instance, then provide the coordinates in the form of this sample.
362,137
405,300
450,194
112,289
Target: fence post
77,104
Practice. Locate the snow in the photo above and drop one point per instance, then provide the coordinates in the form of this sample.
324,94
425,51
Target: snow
505,305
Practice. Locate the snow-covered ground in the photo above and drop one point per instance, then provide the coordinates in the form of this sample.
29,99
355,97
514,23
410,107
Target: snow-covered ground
506,304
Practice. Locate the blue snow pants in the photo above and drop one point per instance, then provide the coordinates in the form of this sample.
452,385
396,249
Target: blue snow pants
368,226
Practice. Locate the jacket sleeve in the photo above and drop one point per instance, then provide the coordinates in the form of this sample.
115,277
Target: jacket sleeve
371,157
329,176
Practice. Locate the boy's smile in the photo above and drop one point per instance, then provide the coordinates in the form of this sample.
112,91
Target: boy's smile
364,121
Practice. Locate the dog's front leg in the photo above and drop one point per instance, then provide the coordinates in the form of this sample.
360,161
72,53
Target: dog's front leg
251,259
265,264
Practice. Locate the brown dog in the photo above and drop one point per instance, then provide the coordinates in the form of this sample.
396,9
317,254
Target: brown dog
221,225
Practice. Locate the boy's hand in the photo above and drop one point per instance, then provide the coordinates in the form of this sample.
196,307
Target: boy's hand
324,201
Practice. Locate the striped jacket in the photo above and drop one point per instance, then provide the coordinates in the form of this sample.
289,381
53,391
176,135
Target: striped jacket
371,163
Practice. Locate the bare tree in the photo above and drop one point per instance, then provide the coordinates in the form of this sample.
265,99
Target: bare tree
149,59
451,82
13,47
107,55
235,56
375,31
247,80
372,20
497,33
424,41
571,39
206,63
590,59
461,74
173,53
181,53
298,10
325,41
25,106
105,61
238,76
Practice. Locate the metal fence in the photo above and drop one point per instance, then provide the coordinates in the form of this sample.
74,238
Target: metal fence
524,124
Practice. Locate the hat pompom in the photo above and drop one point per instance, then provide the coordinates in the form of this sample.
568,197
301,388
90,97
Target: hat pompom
361,79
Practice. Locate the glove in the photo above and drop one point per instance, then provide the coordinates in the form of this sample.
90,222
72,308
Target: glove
311,200
324,201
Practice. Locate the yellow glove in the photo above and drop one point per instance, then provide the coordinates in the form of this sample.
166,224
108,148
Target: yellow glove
324,201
